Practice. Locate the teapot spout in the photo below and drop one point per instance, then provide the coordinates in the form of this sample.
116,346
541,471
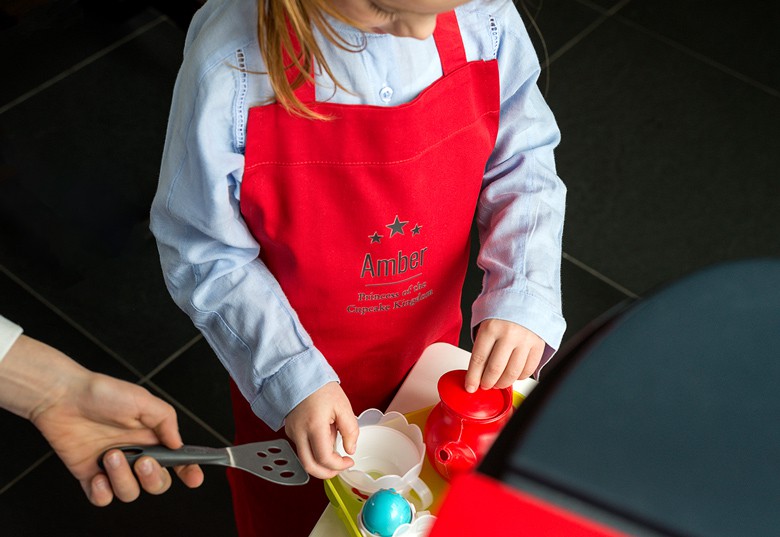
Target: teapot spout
453,458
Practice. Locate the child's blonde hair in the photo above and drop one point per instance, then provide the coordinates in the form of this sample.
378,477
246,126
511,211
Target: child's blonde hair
276,20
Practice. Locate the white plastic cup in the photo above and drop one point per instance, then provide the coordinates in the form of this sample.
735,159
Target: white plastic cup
388,455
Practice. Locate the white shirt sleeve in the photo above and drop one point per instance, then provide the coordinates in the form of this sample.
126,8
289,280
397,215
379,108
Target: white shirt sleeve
9,333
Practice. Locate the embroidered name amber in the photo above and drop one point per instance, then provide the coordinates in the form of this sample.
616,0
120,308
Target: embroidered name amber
393,266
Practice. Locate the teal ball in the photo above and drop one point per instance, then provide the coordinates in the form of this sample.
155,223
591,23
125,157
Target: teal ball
385,511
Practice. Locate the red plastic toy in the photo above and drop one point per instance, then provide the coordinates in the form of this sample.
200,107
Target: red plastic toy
462,426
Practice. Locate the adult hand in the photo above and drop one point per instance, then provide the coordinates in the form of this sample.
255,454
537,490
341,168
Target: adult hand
312,426
503,353
82,414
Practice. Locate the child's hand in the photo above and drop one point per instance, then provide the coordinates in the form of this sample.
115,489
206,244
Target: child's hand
503,353
312,426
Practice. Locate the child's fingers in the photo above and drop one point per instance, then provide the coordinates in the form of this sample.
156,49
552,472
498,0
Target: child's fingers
305,456
515,368
483,345
533,361
496,364
347,425
322,448
309,449
503,352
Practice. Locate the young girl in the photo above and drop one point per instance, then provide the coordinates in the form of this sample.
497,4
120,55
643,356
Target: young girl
323,164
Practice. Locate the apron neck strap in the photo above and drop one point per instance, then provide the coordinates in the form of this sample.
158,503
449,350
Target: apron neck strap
449,44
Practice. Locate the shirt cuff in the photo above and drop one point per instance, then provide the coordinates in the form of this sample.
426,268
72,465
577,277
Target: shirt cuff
9,333
299,378
526,310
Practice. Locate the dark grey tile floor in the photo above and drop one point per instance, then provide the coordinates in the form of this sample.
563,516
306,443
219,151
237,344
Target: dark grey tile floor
669,112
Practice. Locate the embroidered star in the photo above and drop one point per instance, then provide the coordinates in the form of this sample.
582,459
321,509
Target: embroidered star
397,226
416,229
376,237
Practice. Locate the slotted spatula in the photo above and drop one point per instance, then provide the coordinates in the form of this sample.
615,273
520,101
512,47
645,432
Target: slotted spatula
274,460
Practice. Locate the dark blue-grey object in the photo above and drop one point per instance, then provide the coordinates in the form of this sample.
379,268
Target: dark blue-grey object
665,419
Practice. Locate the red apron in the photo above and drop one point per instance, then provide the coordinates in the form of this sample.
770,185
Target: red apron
364,220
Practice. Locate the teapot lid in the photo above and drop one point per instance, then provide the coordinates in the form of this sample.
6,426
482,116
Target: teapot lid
481,405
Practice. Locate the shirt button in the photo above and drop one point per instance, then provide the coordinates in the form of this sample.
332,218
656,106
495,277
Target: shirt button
386,94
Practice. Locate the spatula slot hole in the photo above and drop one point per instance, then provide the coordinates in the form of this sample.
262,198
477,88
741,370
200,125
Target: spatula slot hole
280,462
268,468
262,454
287,474
274,450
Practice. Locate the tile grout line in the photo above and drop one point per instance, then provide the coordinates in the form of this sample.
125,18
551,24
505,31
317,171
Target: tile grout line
189,413
61,314
675,44
604,11
165,363
701,57
29,469
143,379
80,65
593,272
584,33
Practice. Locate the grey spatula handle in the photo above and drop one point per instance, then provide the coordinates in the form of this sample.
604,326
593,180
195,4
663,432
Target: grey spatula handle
174,457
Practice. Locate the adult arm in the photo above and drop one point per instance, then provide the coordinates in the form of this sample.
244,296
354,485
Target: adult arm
82,414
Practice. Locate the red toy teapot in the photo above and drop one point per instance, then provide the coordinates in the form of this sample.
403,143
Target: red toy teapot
462,426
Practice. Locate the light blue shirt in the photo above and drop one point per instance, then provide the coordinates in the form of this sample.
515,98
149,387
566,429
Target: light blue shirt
210,259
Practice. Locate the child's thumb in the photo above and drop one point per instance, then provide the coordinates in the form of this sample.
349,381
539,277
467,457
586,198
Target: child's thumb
348,427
